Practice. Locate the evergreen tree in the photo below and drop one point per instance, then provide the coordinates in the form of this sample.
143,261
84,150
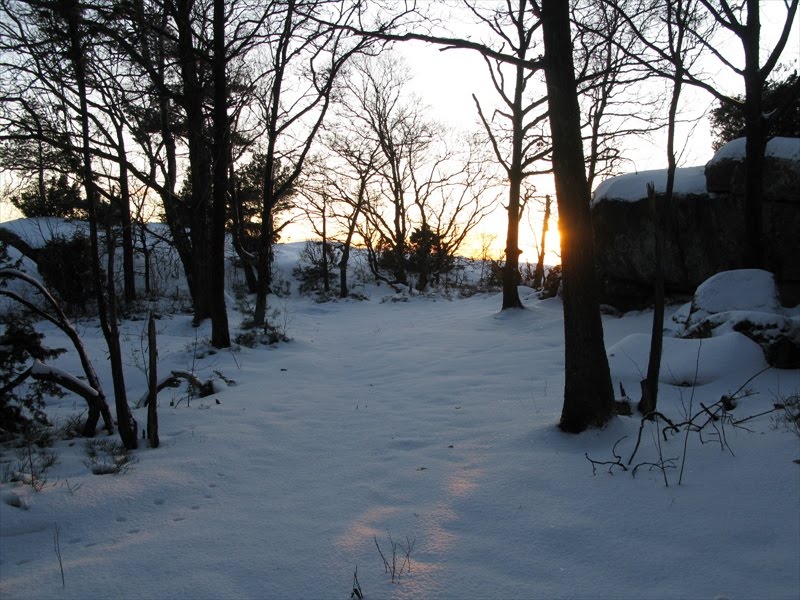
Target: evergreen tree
781,104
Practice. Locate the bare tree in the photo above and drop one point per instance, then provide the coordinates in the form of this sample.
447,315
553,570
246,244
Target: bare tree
742,20
69,11
311,36
517,130
389,120
350,166
616,103
588,394
682,51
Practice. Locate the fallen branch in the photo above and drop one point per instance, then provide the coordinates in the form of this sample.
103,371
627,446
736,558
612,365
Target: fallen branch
97,403
173,380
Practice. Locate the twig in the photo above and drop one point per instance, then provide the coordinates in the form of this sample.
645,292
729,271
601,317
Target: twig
383,558
57,546
612,463
691,400
649,417
357,592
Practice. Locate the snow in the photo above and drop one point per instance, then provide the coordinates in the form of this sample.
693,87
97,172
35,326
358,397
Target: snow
777,147
430,420
742,289
686,362
36,232
40,368
632,187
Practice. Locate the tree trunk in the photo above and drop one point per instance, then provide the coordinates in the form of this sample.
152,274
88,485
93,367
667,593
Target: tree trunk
128,274
70,10
152,397
538,275
511,276
649,385
326,275
220,337
588,393
173,211
755,145
146,256
270,194
199,163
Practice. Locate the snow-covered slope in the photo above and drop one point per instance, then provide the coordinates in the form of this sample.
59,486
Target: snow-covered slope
432,421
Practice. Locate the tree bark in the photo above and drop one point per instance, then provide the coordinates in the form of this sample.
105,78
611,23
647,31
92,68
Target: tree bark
199,162
124,206
70,11
220,336
588,393
755,145
649,385
538,275
152,398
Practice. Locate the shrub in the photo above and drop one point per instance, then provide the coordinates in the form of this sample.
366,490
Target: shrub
311,268
65,266
21,407
552,282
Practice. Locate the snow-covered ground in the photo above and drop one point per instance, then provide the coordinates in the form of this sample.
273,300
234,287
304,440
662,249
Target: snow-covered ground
432,421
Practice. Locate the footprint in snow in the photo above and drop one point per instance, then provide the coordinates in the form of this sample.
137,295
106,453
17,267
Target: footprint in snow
158,501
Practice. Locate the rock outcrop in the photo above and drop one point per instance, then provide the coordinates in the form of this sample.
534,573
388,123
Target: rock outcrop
704,225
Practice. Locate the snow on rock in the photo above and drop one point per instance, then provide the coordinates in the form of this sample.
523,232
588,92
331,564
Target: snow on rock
37,232
686,361
726,174
747,301
632,187
741,289
778,147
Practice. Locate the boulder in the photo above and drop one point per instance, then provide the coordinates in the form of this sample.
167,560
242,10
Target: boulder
704,225
746,301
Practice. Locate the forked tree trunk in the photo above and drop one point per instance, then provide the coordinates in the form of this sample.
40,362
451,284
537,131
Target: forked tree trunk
70,11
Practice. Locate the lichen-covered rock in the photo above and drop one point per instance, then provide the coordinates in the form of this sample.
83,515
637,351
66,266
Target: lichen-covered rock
746,301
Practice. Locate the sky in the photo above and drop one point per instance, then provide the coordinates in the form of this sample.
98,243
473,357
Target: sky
446,80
